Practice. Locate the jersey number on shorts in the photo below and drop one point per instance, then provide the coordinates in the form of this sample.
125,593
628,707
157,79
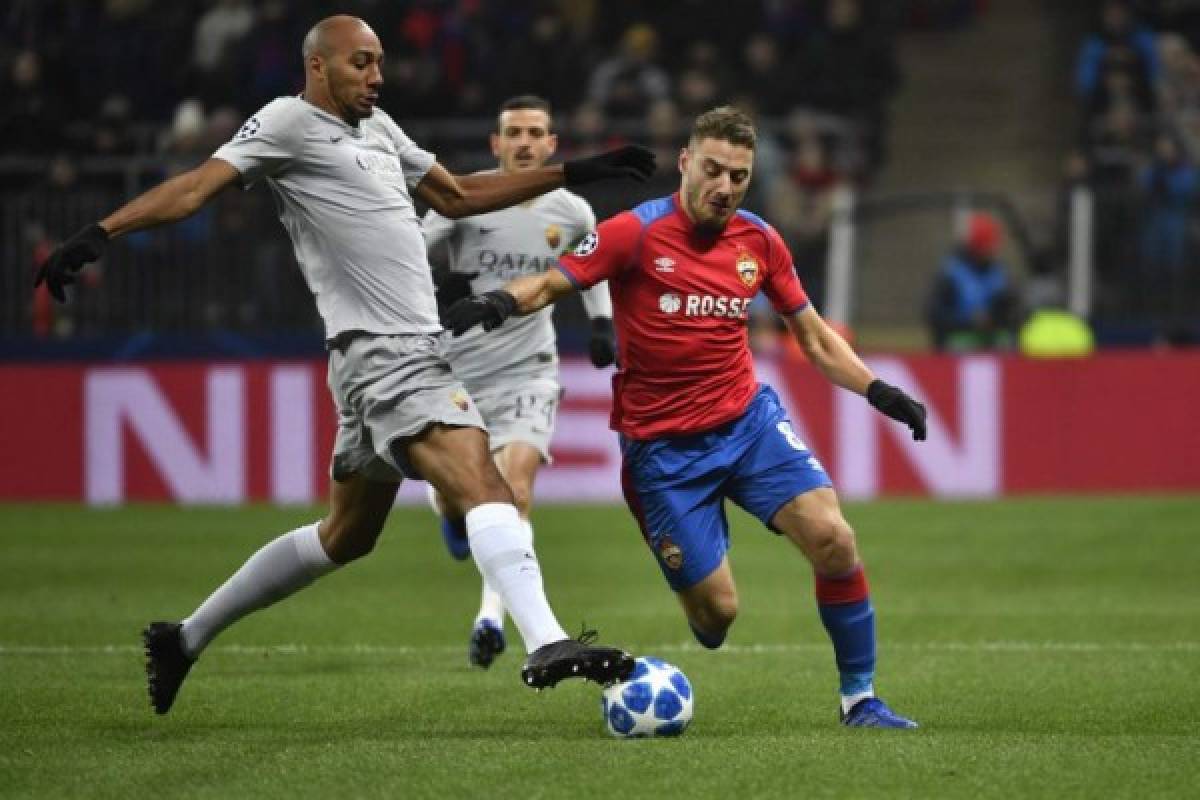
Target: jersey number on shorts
795,441
537,408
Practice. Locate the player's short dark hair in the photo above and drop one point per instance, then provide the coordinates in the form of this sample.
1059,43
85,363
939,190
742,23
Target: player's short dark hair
526,102
727,123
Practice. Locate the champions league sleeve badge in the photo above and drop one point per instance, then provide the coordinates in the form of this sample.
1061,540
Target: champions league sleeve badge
587,245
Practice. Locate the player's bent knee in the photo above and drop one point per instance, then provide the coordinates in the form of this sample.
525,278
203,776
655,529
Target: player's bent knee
348,541
837,551
522,498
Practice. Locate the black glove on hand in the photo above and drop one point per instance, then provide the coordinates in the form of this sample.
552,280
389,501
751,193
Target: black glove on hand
893,402
630,161
489,309
60,268
602,347
450,287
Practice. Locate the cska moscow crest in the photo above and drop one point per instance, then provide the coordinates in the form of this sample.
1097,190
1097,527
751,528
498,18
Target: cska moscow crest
554,237
670,553
747,268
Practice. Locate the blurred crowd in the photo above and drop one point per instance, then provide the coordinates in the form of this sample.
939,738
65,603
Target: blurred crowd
1137,80
156,86
122,77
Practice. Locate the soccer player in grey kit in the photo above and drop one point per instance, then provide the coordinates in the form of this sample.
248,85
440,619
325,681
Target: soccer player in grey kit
342,172
512,373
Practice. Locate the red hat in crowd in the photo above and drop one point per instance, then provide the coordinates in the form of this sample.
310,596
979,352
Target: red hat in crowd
983,234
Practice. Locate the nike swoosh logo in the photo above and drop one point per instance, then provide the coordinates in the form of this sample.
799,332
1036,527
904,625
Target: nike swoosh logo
486,231
334,139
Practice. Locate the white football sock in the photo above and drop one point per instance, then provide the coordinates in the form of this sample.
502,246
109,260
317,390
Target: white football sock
282,566
503,549
849,701
491,604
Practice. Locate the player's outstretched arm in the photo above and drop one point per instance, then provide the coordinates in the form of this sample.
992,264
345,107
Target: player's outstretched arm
831,354
522,296
457,196
170,201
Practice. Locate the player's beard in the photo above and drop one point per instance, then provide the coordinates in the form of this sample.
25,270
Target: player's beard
709,224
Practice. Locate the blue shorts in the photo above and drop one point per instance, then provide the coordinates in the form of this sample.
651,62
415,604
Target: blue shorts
676,487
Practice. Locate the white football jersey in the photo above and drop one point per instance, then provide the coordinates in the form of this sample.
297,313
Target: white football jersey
499,246
342,193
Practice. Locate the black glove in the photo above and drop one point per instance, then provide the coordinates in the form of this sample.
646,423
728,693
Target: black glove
631,161
489,309
893,402
602,347
450,287
60,268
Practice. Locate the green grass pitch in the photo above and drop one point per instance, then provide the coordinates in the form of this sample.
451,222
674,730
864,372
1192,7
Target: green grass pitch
1049,648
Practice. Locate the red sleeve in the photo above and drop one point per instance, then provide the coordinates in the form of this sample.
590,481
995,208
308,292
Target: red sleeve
604,253
781,286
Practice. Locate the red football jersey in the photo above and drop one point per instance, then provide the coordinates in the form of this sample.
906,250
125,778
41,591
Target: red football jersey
680,302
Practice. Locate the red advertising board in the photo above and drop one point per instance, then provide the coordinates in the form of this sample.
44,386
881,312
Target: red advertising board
262,431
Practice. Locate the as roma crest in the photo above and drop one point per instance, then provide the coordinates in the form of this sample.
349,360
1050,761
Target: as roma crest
747,269
669,552
554,237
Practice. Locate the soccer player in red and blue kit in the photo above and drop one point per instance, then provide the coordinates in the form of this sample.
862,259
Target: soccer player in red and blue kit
696,426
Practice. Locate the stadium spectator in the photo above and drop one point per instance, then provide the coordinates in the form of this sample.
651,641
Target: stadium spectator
850,70
219,32
666,136
1117,147
972,305
111,134
1169,186
697,428
545,64
31,118
802,202
342,173
626,84
764,76
271,62
1119,58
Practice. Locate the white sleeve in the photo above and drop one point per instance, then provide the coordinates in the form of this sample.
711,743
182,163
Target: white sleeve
266,143
415,161
596,299
438,231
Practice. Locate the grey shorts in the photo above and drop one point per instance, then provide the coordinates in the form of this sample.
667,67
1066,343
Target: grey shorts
520,410
390,388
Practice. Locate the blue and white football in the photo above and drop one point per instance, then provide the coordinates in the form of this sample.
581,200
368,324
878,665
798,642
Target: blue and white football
657,700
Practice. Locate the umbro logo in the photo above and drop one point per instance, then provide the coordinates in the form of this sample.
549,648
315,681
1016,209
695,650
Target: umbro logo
664,264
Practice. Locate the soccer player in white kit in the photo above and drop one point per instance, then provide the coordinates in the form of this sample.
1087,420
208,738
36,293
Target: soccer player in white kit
341,172
512,373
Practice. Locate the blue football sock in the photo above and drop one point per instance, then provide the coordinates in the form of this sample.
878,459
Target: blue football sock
455,527
851,628
712,642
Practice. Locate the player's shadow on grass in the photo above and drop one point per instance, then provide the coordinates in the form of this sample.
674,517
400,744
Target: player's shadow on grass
203,725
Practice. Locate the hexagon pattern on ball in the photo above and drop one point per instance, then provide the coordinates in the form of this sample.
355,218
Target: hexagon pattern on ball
657,700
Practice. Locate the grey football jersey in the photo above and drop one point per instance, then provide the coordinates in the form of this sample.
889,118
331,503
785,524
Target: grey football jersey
499,246
342,193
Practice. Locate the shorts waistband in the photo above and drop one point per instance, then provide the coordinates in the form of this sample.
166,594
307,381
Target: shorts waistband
343,340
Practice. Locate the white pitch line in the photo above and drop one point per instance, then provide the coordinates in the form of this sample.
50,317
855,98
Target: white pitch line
291,649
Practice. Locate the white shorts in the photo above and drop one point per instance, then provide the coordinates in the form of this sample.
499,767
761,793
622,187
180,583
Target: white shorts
520,410
388,388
